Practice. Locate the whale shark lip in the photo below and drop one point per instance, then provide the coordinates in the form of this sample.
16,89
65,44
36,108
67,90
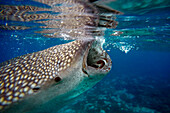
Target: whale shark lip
84,65
96,60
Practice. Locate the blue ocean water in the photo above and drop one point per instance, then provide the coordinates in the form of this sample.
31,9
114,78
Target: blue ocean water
139,81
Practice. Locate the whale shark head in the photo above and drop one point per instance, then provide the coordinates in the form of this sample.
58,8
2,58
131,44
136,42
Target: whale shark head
90,63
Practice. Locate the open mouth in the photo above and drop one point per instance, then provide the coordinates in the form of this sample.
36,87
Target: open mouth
96,60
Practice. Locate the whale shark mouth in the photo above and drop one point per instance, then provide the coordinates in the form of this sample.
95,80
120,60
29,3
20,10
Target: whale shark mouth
96,60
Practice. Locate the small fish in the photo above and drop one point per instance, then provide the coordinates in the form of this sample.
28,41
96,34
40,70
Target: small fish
43,80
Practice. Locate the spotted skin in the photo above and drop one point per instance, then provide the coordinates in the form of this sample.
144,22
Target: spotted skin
20,76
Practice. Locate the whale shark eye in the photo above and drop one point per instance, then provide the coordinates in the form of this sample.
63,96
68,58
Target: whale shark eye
57,79
36,89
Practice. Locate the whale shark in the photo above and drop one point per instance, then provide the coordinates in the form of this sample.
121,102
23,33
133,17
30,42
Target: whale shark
56,74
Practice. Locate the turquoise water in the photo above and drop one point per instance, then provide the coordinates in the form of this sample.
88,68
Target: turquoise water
139,81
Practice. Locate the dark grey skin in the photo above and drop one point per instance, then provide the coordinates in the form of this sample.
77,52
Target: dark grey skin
39,81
